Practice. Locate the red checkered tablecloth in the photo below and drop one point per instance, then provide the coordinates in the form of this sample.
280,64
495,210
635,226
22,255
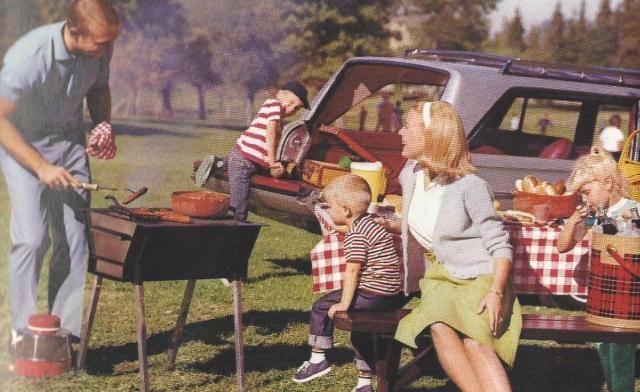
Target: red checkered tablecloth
538,267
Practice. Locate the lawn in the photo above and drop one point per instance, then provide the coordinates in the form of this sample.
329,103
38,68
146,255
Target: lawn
277,298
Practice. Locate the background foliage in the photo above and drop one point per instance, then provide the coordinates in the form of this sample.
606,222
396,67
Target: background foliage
237,50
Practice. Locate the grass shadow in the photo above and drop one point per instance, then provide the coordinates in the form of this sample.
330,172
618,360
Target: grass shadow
262,358
566,369
102,360
133,130
302,265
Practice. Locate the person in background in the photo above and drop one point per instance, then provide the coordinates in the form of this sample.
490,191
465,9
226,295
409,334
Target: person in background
598,179
467,301
611,137
256,147
543,124
46,76
386,113
398,115
371,282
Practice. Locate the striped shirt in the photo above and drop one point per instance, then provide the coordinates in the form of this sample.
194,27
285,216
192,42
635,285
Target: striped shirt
253,141
371,245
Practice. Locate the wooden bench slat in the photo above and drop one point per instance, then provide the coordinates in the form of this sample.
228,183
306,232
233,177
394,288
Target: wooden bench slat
561,328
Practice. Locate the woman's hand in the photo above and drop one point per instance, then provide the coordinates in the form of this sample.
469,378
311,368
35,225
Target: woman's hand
390,225
494,305
339,307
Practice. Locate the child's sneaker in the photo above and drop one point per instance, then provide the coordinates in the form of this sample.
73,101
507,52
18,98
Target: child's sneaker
364,388
308,371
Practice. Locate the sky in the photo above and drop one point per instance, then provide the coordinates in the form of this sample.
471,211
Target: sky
534,12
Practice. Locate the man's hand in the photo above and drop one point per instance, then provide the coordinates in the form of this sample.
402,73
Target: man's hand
102,142
339,307
56,177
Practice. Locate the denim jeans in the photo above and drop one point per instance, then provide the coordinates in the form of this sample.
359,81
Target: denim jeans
321,326
240,170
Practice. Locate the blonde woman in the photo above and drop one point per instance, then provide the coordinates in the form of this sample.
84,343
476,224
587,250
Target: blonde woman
467,303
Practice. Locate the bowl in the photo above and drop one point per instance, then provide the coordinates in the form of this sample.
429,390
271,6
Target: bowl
200,204
560,206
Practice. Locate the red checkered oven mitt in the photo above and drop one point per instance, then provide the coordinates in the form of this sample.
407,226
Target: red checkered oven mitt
102,142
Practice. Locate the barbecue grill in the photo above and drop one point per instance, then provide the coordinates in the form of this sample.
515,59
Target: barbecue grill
128,249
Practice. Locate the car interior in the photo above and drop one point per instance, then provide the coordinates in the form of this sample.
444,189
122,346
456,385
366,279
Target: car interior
547,124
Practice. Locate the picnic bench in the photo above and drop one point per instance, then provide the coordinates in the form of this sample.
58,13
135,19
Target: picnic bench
538,269
382,326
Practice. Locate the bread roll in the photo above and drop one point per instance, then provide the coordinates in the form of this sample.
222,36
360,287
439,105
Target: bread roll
519,185
559,187
529,184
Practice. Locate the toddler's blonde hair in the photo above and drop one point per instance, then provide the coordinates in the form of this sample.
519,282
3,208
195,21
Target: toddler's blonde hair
349,190
598,165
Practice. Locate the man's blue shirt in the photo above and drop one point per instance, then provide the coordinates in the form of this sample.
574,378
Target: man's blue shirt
48,84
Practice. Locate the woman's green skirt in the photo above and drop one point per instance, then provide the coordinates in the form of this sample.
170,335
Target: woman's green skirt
454,302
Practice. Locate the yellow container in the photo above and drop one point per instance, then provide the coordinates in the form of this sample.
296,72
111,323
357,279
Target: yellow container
374,174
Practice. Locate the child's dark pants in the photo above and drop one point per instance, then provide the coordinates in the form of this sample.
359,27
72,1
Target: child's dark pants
321,327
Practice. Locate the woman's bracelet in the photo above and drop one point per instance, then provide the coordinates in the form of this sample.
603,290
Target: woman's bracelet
497,292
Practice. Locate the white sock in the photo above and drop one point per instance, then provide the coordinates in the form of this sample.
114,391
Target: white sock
362,381
317,357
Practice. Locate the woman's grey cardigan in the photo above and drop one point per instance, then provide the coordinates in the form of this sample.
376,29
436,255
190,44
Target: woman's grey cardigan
468,235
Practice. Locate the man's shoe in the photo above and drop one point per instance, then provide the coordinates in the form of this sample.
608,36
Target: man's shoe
364,388
308,371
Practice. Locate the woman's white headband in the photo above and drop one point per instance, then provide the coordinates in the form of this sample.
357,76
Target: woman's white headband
426,114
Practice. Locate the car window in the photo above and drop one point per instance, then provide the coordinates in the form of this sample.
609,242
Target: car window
545,117
383,111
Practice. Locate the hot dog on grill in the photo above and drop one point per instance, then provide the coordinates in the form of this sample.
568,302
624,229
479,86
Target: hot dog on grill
135,195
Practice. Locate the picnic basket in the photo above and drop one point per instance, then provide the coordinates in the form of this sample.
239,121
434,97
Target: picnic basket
320,173
630,163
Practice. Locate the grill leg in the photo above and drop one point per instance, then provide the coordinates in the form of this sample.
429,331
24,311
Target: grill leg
142,337
182,317
237,322
87,326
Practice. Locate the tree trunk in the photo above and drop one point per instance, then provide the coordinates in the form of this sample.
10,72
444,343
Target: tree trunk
202,106
165,92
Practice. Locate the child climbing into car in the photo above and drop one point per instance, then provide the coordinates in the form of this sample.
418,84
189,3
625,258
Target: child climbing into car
256,147
371,282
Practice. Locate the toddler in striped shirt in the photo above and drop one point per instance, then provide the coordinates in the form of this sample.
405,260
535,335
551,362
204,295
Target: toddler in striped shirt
371,282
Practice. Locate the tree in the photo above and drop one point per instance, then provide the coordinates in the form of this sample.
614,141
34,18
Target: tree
602,39
553,42
452,24
628,51
324,34
515,33
575,42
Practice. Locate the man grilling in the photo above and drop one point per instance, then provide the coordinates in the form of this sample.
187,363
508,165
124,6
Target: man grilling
46,76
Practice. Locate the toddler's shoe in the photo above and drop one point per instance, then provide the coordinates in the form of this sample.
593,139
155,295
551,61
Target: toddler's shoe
364,388
308,371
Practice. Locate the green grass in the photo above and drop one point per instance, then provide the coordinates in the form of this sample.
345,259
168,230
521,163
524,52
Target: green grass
277,298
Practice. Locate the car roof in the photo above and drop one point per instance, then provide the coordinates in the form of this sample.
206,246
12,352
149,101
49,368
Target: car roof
477,80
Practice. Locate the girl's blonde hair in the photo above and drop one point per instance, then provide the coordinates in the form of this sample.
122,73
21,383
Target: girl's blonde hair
597,166
350,190
446,151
